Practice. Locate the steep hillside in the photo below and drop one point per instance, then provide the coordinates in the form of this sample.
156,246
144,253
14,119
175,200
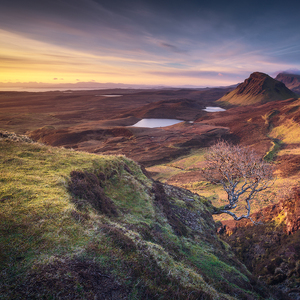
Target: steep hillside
81,226
292,81
258,88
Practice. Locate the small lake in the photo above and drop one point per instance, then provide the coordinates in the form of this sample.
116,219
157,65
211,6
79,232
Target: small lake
213,109
153,123
109,95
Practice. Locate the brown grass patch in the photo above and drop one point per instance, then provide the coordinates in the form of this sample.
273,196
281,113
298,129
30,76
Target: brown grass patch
87,186
70,279
162,200
119,238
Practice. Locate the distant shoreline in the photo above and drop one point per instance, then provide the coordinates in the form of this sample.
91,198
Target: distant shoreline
47,89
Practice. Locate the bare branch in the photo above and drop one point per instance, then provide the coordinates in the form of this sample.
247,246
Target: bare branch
240,171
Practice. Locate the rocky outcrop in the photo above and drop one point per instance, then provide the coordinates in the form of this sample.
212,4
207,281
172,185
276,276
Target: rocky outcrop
271,249
258,88
285,213
291,209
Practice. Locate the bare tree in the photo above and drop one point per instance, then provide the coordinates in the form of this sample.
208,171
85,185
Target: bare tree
240,171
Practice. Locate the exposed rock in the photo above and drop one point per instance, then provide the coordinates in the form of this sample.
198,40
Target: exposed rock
271,250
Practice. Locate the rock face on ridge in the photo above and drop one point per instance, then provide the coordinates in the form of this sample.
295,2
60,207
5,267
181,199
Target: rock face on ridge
258,88
271,248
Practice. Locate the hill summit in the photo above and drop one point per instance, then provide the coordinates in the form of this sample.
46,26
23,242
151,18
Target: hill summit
258,88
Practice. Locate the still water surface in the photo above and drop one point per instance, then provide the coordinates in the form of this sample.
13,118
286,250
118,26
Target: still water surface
213,109
153,123
111,96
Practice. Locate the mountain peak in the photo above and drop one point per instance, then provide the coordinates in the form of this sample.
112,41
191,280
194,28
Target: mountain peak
258,75
258,88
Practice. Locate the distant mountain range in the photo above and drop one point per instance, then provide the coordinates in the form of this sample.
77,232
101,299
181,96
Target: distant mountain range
76,86
40,86
258,88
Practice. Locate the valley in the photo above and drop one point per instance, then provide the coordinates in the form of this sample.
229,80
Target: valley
155,202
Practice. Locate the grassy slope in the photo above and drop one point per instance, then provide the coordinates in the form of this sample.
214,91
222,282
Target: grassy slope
259,92
236,99
160,245
215,193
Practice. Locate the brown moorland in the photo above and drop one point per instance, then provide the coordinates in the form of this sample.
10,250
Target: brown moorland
265,127
260,126
97,121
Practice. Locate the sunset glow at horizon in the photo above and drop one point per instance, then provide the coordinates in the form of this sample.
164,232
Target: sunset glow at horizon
146,42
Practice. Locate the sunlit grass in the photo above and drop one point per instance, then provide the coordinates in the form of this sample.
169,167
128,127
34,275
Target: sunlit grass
215,193
192,161
295,151
35,205
36,208
288,132
163,172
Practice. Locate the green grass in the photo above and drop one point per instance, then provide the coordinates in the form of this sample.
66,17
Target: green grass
163,172
50,236
273,152
191,162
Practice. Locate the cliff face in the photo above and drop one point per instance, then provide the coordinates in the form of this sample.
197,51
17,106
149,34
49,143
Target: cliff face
81,226
292,81
271,249
291,209
258,88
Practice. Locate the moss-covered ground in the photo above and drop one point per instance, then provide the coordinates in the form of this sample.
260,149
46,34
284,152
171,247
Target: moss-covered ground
75,225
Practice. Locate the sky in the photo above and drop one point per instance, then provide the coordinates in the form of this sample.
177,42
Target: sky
155,42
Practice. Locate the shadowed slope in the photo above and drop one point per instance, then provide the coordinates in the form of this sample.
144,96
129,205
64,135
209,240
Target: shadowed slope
292,81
